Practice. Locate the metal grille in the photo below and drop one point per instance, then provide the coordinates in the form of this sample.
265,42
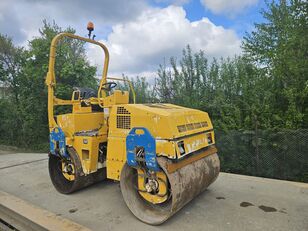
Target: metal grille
123,121
198,125
189,127
182,128
204,124
122,110
123,118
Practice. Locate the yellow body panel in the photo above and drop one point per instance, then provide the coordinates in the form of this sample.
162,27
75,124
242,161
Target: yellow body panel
75,127
118,97
77,108
161,119
77,122
116,157
169,124
87,149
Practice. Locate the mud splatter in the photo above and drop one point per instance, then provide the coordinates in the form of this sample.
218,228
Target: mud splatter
73,210
267,209
246,204
220,198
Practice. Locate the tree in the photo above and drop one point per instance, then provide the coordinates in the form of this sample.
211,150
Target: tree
164,85
27,80
143,91
232,90
12,59
280,47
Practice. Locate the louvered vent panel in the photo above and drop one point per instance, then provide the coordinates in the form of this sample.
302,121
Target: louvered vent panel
182,128
197,125
189,127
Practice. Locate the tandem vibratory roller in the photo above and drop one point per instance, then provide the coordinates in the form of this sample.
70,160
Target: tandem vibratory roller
163,155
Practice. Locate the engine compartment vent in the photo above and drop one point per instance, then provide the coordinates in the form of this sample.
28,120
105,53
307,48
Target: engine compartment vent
192,126
122,110
123,122
123,118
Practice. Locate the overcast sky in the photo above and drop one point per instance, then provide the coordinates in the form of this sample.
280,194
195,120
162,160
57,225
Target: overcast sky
139,33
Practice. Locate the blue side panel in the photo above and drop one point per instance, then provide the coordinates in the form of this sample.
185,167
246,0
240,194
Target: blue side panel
57,141
145,140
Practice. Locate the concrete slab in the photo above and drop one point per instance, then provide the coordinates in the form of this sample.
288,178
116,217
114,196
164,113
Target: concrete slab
24,216
233,202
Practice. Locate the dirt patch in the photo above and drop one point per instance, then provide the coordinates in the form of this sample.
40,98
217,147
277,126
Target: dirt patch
73,210
246,204
267,209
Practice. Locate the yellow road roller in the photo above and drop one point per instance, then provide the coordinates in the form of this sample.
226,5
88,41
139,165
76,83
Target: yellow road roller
163,155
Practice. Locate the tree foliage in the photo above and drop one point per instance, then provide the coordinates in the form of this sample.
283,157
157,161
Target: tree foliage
23,73
142,89
233,91
279,47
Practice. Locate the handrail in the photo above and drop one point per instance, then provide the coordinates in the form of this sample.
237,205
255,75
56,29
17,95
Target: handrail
51,80
130,86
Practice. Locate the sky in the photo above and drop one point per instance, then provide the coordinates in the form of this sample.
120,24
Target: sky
140,34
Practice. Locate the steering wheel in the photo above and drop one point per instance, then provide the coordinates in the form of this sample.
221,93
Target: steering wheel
108,86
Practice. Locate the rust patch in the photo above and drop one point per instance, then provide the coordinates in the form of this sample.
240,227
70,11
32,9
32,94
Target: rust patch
246,204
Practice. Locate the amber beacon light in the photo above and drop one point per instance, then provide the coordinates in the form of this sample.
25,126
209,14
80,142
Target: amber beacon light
90,28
